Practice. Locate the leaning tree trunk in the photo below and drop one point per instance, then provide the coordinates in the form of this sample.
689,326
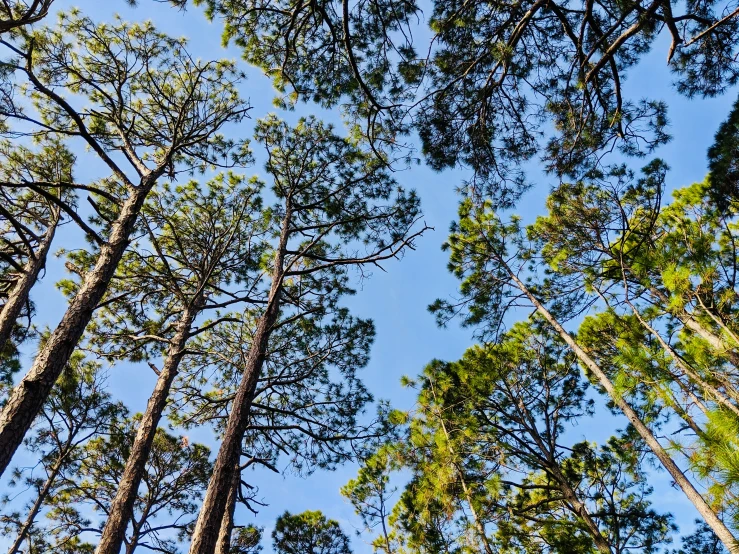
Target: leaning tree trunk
121,508
710,517
712,391
20,292
579,507
205,535
36,508
28,397
223,545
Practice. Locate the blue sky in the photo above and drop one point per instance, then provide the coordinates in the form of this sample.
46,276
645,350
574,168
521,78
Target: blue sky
407,337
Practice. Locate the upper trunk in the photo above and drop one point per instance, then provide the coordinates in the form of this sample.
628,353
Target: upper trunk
223,545
121,508
205,535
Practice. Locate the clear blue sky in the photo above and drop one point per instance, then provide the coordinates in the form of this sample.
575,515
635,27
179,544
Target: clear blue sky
407,337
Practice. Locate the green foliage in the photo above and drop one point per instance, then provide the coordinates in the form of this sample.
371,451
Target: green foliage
359,55
723,177
701,541
177,473
337,211
246,540
197,248
492,469
513,82
308,533
78,410
371,493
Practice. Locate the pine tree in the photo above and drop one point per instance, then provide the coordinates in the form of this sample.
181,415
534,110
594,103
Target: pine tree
489,454
175,477
490,256
309,533
337,209
194,244
178,106
78,410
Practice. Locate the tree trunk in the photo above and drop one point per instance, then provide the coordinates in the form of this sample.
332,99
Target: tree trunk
223,545
710,517
207,527
28,397
692,375
579,508
121,509
689,321
206,531
719,344
43,493
19,294
479,527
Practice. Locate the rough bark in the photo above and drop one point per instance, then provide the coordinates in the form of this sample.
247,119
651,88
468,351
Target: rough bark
710,517
207,527
223,545
28,397
121,509
19,294
206,531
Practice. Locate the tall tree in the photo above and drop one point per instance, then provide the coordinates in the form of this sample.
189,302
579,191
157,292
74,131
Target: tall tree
201,245
150,103
308,402
491,257
337,209
666,275
488,447
35,187
309,533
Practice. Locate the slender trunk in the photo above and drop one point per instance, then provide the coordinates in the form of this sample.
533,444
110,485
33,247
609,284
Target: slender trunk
707,387
716,342
689,321
133,543
18,297
131,546
121,509
718,321
689,421
205,535
579,508
482,535
710,517
549,463
223,545
28,397
43,493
